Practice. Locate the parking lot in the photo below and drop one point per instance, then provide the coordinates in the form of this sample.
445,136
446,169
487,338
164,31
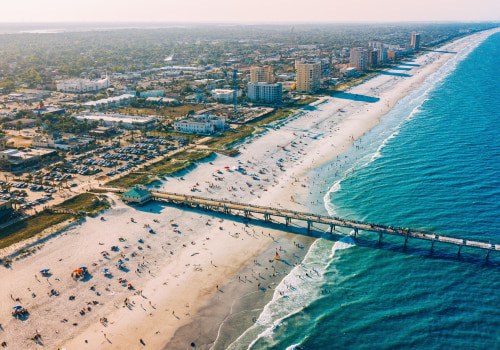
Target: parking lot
57,182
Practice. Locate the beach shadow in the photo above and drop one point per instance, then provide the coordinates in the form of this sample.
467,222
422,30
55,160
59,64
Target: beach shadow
441,51
400,68
355,97
151,207
285,262
395,74
86,278
308,108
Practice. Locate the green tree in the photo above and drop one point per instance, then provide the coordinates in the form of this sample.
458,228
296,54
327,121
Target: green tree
19,126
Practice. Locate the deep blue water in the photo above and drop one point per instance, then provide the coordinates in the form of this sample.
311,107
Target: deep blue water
434,164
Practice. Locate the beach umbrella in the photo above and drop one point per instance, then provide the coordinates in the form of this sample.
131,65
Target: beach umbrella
83,268
78,271
105,270
44,271
120,263
17,307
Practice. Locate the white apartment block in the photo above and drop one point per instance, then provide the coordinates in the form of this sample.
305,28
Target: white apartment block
200,124
83,85
271,93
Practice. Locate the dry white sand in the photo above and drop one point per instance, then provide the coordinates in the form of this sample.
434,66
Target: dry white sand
179,268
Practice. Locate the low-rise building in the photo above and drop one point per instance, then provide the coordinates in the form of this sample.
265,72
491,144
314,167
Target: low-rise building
122,100
13,159
271,93
42,110
83,85
225,95
118,120
57,141
152,93
137,195
200,124
29,96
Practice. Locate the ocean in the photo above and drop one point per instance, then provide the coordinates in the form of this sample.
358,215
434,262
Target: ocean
433,163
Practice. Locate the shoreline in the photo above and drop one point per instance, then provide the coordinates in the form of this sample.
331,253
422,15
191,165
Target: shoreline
181,269
325,158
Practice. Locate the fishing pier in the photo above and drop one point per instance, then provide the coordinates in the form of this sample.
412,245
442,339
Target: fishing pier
254,211
250,211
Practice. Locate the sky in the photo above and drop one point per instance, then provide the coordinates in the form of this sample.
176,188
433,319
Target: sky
248,11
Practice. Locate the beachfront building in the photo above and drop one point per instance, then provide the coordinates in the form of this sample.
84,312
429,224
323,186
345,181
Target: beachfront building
261,74
415,41
270,93
200,124
308,76
137,195
118,120
83,85
372,58
225,95
359,58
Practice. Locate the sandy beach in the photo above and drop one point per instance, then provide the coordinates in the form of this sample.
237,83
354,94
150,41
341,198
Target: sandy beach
197,277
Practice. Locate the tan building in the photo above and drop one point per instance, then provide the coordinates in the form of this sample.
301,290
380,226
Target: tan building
359,58
308,76
262,75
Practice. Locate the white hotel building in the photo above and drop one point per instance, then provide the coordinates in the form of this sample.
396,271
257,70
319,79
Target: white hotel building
200,124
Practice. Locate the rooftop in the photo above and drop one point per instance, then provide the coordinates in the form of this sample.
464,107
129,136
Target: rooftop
137,192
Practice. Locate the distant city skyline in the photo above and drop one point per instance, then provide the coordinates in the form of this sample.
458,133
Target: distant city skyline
256,11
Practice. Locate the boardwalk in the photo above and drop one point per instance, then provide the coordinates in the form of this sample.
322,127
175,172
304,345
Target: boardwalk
249,210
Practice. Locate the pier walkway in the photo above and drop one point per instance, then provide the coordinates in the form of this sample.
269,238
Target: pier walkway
249,211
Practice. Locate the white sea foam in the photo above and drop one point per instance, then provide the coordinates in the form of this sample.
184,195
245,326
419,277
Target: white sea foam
293,294
400,115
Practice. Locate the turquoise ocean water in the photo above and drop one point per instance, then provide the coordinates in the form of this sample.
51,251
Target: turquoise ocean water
432,164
